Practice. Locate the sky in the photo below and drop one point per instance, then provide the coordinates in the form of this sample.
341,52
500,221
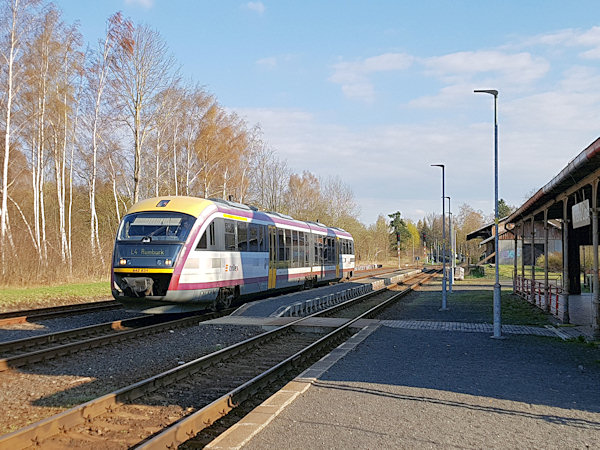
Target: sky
374,92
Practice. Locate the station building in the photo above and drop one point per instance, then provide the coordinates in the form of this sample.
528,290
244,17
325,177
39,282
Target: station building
561,217
524,251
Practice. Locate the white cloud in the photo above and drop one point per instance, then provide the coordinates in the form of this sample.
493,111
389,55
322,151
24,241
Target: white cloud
519,67
569,38
268,63
388,167
258,7
546,117
143,3
354,76
380,164
272,62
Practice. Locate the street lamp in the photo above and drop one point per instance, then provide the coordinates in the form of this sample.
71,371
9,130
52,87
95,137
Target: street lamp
497,318
451,244
444,299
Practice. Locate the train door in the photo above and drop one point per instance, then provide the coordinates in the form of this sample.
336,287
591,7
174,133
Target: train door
337,252
272,257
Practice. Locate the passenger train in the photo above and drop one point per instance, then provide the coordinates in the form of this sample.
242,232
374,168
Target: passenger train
177,254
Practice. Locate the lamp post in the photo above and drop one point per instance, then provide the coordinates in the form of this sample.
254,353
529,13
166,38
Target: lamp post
444,299
497,291
451,244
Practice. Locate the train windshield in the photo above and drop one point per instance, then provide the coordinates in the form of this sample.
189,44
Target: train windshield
152,226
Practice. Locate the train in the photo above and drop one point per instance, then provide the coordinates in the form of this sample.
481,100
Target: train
177,254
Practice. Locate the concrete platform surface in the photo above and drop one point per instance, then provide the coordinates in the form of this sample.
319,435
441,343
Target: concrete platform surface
269,306
426,385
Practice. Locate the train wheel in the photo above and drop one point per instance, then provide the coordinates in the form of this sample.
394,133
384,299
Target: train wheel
223,300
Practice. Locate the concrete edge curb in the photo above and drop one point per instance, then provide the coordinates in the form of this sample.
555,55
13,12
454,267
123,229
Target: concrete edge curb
304,308
243,431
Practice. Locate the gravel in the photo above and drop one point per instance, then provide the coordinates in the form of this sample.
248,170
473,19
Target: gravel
39,391
37,328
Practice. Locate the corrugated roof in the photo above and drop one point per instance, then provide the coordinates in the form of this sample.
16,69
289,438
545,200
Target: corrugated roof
584,164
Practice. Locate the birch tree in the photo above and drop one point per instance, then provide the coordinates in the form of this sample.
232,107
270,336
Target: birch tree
17,18
61,124
141,67
97,81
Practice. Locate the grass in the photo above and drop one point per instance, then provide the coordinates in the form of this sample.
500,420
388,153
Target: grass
506,272
514,310
41,296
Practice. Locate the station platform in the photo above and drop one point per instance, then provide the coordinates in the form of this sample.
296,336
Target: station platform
275,306
416,380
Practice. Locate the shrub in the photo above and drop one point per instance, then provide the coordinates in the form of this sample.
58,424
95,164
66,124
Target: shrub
555,263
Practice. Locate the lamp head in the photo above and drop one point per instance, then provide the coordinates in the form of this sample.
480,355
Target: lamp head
487,91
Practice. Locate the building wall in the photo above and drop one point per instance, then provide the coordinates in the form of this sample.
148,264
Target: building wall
507,250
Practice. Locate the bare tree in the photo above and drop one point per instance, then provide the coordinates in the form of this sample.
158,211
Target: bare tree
340,202
16,20
269,179
142,68
41,105
303,196
97,74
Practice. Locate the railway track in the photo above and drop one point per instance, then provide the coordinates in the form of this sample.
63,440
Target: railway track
27,351
28,315
173,407
372,273
23,352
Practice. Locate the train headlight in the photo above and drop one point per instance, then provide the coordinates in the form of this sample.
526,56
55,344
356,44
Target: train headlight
122,262
168,262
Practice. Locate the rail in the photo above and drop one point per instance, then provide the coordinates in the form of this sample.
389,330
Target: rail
14,317
251,354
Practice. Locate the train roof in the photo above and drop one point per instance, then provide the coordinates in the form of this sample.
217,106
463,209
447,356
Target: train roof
195,206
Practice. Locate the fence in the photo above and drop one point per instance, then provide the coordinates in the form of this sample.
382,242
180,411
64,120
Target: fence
534,292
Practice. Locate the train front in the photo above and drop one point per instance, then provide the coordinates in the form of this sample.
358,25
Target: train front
148,243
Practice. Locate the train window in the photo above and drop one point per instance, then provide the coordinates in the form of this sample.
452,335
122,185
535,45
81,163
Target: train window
263,239
301,250
162,226
230,235
319,242
288,244
202,244
253,232
281,244
242,236
208,238
332,252
307,249
295,252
